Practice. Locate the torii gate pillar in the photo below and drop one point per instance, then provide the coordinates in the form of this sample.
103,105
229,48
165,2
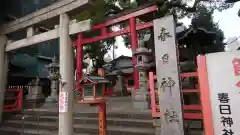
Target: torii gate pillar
67,78
3,75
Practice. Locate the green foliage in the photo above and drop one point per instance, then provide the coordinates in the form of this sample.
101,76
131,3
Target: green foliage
97,51
99,11
204,19
200,13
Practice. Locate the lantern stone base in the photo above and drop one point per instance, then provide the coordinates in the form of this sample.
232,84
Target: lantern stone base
35,94
158,131
52,99
140,99
34,100
51,105
33,103
120,89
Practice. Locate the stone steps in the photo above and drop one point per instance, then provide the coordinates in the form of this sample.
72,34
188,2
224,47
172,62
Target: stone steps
127,122
80,128
141,123
84,124
14,131
131,115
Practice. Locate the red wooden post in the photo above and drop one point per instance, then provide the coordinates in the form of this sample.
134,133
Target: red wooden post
205,95
20,99
79,61
153,95
134,43
102,118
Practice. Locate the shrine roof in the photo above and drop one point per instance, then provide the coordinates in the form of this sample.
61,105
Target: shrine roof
94,79
119,58
123,71
186,35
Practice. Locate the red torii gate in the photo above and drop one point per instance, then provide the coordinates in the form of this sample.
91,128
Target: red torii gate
132,28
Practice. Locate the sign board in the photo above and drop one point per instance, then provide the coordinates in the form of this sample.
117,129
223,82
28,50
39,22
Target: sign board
224,84
63,101
168,76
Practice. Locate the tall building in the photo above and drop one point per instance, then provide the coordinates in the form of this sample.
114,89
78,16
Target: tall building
27,63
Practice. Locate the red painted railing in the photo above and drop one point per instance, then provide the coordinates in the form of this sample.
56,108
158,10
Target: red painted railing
154,95
13,103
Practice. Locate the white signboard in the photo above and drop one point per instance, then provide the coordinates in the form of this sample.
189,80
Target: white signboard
224,84
168,76
63,101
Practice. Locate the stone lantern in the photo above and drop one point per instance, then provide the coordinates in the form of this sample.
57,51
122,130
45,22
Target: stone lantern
141,96
35,96
53,69
120,89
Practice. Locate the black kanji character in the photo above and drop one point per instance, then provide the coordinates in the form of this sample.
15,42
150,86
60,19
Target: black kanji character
171,116
227,121
170,82
164,83
165,58
223,97
167,84
225,109
174,117
164,34
226,132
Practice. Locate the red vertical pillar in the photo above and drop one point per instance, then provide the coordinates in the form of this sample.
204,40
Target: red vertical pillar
79,61
20,99
205,95
102,106
134,43
102,118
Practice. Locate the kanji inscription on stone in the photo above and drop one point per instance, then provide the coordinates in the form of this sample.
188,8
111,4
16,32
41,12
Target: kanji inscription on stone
167,84
164,34
171,116
168,77
165,58
223,71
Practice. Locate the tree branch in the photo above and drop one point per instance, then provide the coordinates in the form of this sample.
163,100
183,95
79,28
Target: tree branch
184,7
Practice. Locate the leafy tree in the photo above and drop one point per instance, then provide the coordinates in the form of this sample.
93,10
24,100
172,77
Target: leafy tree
199,12
205,36
204,19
